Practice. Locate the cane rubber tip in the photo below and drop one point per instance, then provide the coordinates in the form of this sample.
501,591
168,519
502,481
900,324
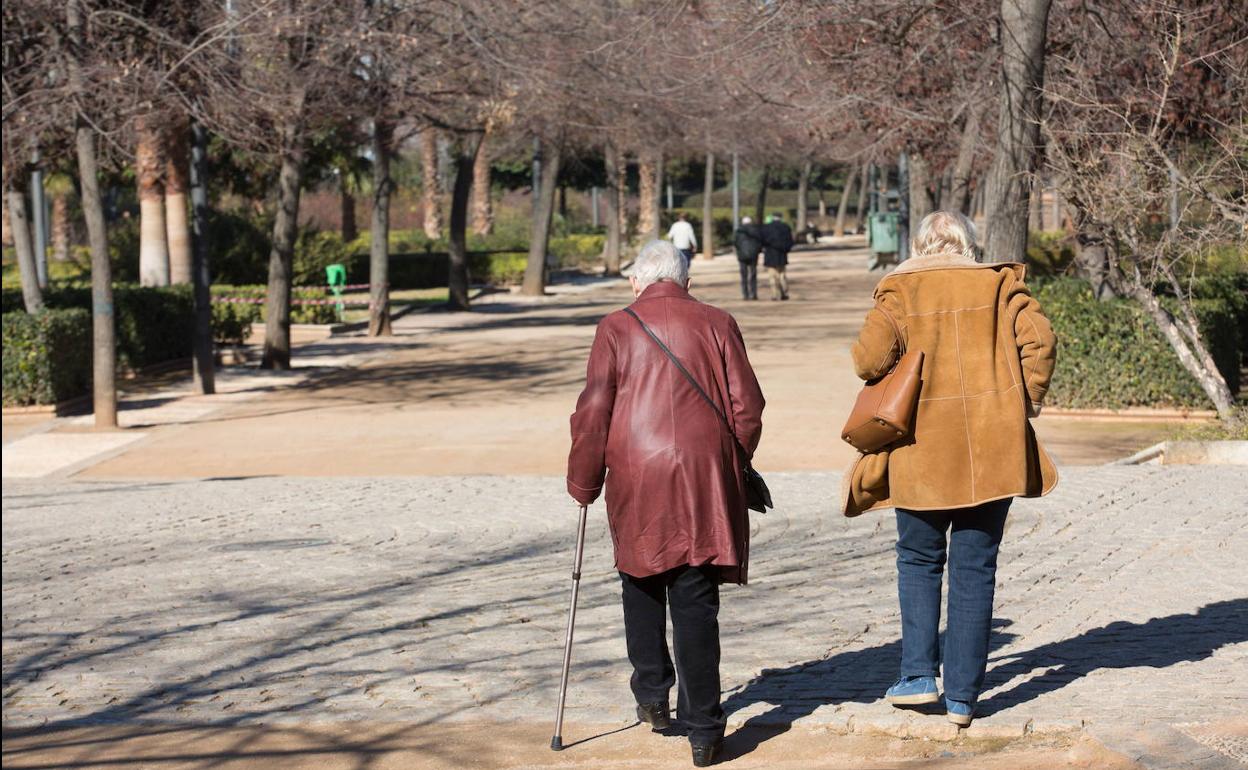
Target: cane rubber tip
556,743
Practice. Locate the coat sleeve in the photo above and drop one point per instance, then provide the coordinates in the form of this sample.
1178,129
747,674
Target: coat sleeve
587,462
877,347
743,391
1037,344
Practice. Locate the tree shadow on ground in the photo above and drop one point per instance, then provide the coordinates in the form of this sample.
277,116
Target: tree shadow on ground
1156,643
858,676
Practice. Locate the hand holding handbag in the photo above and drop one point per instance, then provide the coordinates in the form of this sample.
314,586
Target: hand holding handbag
884,411
757,495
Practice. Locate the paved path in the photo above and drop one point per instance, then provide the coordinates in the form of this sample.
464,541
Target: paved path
280,600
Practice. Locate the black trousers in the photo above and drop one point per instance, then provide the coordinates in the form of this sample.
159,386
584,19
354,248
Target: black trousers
749,279
692,594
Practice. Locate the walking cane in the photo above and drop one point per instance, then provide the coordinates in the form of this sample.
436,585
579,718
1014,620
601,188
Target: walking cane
556,743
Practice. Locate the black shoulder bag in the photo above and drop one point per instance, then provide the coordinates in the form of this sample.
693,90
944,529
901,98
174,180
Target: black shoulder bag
757,496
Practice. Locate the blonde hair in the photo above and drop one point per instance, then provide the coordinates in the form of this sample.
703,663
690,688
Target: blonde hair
945,232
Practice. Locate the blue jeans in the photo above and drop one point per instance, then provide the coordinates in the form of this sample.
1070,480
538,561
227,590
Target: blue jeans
972,554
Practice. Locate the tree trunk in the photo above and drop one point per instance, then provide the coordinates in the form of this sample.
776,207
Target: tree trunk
622,194
15,198
803,187
379,234
430,191
60,227
647,195
543,210
1024,25
863,188
103,326
177,224
823,207
708,210
760,204
1092,258
615,180
103,321
920,199
1187,345
149,172
201,275
464,161
350,228
482,205
282,255
959,195
839,230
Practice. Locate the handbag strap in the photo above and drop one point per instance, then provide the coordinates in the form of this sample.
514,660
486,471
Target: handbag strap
901,341
745,457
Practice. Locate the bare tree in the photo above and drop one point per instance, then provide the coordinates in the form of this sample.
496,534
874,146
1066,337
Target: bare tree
1024,26
430,190
543,209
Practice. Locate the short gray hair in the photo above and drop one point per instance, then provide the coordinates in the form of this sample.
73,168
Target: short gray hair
660,261
945,232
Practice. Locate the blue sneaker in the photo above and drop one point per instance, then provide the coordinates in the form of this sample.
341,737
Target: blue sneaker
913,691
959,712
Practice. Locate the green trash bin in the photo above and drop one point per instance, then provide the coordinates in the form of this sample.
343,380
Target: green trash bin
884,232
336,277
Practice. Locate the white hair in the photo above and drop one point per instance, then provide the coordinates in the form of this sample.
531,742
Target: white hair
945,232
659,261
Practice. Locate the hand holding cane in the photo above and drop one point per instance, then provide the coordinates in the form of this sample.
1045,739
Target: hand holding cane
556,743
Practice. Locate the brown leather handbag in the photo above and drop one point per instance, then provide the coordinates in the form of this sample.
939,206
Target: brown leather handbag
884,411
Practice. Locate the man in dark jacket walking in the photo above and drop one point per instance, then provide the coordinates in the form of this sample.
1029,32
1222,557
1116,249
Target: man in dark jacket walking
777,241
748,243
675,495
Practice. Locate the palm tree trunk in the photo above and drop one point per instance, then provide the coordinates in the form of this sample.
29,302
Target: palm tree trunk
177,223
282,255
60,227
1024,25
149,173
803,188
648,195
482,204
841,208
543,209
379,234
430,191
708,210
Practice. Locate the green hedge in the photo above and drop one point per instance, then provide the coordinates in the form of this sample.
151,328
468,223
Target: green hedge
1111,355
32,343
153,325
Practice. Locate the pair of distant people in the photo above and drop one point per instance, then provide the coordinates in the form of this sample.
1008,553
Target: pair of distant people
774,240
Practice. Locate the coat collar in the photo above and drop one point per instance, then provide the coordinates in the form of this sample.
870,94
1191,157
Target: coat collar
663,289
953,261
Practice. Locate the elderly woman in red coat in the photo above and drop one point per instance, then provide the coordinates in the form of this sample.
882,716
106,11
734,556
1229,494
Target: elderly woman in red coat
675,498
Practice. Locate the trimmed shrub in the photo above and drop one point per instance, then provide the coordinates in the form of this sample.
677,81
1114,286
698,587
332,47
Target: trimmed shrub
236,318
47,356
1111,355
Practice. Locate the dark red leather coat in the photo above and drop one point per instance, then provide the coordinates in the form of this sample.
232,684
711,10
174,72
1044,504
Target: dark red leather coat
673,479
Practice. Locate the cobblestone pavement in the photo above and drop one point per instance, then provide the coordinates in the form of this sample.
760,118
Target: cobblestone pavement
279,600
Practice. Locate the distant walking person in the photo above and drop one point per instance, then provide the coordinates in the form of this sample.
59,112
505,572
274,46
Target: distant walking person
682,237
777,242
748,243
675,496
988,354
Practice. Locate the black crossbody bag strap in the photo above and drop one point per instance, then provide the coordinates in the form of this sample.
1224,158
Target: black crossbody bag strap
745,457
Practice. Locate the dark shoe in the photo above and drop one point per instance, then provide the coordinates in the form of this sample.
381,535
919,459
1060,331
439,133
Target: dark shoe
657,715
785,298
705,756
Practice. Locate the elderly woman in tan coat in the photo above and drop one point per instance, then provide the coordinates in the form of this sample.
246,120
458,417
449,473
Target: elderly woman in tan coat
988,354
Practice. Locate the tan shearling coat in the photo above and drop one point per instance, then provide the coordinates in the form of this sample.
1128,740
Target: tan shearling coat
988,355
